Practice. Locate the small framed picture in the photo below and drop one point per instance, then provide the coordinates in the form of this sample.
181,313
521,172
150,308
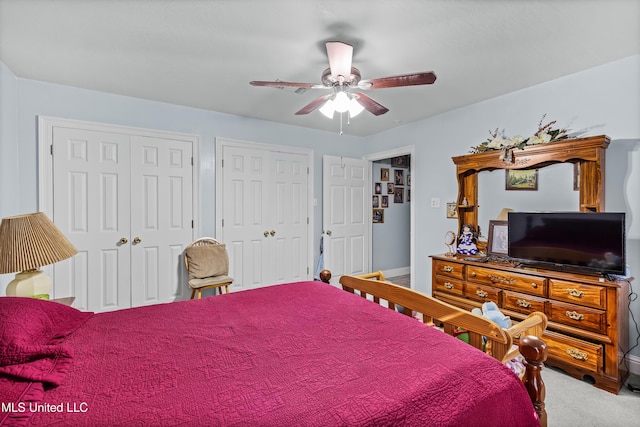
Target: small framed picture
398,195
398,176
375,202
498,238
390,188
377,189
378,216
408,195
452,211
385,201
384,174
521,179
408,180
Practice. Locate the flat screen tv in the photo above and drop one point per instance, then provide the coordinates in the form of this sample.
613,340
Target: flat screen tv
589,242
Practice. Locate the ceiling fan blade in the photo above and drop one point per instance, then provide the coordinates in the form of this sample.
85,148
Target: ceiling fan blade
284,84
414,79
340,56
313,105
370,105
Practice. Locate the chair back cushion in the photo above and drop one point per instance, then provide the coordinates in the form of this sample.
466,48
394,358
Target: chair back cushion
207,261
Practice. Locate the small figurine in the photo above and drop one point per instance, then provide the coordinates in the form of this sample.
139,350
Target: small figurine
467,241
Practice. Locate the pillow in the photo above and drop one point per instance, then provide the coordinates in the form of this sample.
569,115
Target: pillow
31,338
207,261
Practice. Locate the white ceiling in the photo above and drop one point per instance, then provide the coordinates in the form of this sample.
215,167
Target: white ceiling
203,53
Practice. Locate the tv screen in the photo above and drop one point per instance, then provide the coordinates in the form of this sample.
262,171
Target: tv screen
584,241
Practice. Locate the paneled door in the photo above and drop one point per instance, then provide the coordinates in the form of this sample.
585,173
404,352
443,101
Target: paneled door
125,200
264,214
346,215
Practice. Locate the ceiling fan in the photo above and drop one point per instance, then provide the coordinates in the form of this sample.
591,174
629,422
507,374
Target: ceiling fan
346,84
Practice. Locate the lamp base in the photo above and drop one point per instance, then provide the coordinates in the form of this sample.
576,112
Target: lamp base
30,283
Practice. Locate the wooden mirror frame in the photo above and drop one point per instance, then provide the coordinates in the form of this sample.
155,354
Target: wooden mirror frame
587,153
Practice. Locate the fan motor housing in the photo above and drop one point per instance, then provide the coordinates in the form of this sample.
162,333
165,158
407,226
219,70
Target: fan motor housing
329,81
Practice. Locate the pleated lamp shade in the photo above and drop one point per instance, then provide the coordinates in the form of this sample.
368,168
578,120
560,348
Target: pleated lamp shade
28,242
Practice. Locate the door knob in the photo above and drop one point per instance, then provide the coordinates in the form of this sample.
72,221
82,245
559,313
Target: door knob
137,240
328,232
123,241
273,232
266,233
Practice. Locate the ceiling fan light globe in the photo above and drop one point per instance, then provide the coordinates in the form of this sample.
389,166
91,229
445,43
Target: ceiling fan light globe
355,108
328,109
341,102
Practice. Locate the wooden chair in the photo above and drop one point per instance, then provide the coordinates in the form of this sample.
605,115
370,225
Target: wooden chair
207,263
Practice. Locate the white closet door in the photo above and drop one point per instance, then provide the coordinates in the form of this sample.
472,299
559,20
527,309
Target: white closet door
161,217
91,185
125,199
346,214
265,212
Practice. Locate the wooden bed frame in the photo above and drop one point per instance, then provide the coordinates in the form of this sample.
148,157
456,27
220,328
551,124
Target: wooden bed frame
499,341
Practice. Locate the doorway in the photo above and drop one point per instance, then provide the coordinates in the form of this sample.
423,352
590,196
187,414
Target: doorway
392,209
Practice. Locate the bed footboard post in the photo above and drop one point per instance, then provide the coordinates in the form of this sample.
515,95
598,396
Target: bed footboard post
534,350
325,276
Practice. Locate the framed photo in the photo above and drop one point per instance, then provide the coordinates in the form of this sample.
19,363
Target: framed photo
375,202
377,189
398,176
390,188
452,212
576,177
400,161
408,195
384,174
521,179
398,195
378,216
408,180
385,201
498,238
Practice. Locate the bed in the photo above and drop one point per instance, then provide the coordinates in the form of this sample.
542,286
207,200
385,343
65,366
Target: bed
303,353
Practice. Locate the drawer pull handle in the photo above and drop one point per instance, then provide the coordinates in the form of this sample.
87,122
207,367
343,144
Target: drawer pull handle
481,293
448,268
575,293
534,285
448,285
501,279
574,315
577,354
473,274
524,303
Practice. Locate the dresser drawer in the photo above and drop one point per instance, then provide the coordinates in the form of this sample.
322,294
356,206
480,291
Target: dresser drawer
517,282
582,354
522,303
449,285
450,269
577,293
482,293
579,317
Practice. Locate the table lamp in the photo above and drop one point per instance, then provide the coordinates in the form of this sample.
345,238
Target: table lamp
28,242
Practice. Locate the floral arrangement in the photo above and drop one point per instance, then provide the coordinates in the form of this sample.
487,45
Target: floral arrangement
498,141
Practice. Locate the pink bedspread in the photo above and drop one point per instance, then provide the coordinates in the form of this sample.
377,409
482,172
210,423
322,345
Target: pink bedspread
304,354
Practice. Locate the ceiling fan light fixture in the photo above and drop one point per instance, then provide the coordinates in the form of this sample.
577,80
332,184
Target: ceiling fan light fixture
341,102
355,107
328,109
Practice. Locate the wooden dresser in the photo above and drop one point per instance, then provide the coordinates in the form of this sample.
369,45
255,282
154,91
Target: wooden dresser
588,319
